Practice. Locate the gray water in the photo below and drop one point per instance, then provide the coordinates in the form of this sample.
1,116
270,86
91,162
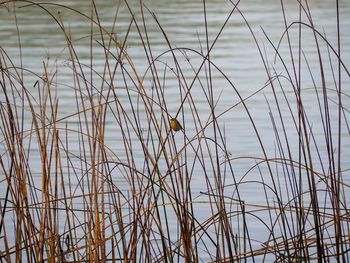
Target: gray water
235,54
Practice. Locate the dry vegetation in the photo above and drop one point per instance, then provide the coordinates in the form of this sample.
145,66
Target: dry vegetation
67,195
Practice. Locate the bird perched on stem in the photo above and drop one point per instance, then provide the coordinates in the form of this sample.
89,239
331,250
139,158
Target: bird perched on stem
175,125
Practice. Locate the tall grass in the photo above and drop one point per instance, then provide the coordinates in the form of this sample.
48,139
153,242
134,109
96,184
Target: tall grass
113,182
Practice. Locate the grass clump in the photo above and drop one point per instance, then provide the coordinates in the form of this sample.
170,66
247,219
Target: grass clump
92,171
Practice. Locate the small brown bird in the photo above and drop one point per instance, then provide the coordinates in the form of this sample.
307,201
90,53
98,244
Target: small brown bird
175,125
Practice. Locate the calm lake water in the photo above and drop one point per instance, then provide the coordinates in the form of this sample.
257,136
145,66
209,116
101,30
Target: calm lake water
235,53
